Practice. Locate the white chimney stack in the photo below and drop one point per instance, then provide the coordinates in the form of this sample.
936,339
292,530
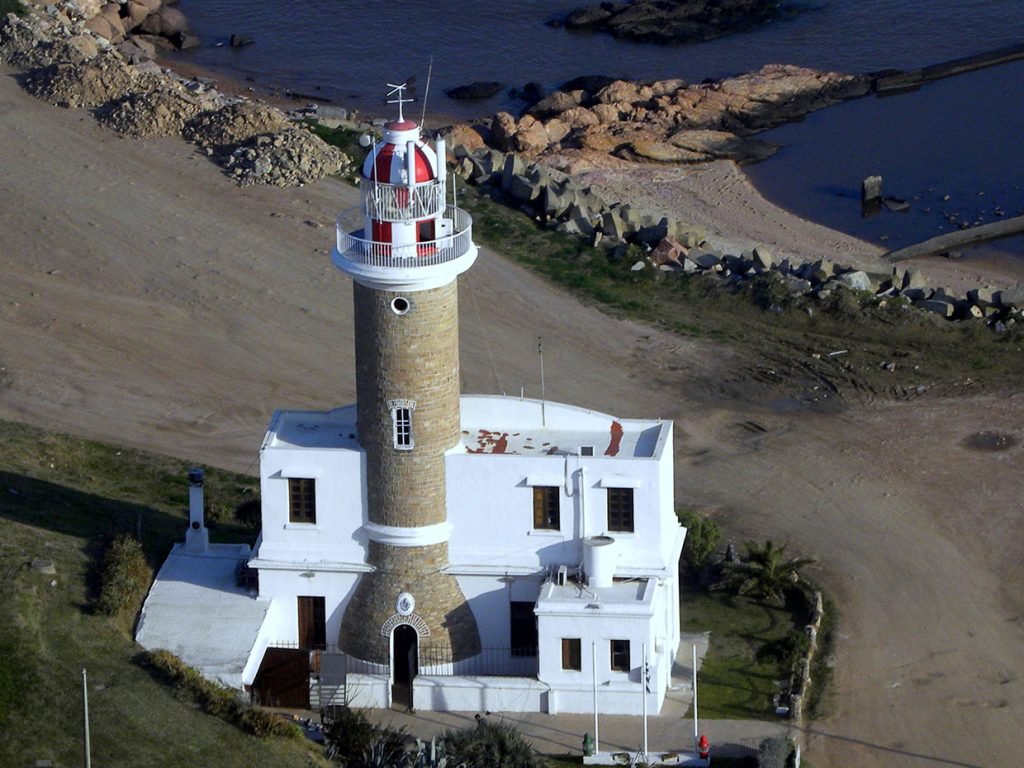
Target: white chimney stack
197,537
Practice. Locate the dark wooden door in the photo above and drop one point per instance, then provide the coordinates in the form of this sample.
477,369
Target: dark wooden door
283,679
312,623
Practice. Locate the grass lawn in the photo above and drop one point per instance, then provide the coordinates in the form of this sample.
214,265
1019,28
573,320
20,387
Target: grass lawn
59,498
740,674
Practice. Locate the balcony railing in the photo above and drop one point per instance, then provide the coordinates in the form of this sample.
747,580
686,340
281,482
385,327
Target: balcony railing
399,202
355,247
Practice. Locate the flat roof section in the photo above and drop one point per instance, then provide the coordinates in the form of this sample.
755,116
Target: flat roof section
494,424
196,611
314,429
521,427
631,596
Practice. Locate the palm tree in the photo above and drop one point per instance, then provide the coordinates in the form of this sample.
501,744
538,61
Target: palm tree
762,573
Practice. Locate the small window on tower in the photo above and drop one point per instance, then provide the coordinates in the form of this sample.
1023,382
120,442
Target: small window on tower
403,428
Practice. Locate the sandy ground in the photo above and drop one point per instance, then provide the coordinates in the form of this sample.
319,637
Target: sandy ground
147,301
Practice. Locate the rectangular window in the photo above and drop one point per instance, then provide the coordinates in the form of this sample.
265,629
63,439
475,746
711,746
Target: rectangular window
620,509
571,658
403,428
523,629
545,507
619,655
312,623
301,500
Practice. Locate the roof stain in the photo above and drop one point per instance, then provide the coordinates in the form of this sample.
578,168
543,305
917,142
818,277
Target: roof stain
616,440
490,442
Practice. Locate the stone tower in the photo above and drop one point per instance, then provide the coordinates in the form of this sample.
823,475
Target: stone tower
405,261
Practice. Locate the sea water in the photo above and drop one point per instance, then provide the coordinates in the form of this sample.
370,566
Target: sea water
959,138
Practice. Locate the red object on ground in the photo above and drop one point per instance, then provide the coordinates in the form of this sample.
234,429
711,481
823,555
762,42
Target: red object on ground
703,748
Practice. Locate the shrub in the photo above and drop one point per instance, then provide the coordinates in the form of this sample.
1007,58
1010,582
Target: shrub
492,745
702,538
787,651
250,512
351,738
776,752
124,576
12,6
265,724
217,699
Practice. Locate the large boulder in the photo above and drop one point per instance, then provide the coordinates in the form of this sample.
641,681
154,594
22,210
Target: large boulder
557,103
503,129
1012,297
106,25
166,22
481,89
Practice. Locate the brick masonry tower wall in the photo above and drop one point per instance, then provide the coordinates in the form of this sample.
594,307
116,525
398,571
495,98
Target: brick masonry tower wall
412,356
439,603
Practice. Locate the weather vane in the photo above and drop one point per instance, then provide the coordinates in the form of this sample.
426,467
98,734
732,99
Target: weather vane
398,89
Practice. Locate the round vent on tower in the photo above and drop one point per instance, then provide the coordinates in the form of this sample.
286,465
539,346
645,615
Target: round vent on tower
400,305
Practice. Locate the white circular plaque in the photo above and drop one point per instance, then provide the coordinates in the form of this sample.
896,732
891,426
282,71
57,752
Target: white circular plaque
405,604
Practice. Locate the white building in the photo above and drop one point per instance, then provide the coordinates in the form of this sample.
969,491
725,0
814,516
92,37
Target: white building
443,551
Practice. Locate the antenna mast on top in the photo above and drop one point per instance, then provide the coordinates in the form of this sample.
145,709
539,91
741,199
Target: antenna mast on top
426,92
398,89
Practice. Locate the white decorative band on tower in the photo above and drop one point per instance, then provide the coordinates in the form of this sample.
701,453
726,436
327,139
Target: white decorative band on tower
400,536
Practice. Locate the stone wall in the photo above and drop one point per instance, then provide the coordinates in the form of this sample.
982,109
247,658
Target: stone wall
413,356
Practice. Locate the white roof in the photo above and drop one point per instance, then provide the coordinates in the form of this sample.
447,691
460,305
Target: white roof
494,424
196,611
633,596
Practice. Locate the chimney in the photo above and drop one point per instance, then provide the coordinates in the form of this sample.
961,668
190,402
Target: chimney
197,537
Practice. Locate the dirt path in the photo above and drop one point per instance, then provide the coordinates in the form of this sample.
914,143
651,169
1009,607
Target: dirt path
147,301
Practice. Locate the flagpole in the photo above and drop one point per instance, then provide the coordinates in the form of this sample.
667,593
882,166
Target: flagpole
643,692
593,669
85,719
695,726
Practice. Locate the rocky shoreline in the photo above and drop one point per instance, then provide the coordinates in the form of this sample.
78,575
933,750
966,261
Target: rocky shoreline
533,162
71,60
671,121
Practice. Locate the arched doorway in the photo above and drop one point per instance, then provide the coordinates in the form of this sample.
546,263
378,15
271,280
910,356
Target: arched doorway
404,665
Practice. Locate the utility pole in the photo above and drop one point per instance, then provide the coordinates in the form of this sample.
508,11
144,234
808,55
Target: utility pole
85,718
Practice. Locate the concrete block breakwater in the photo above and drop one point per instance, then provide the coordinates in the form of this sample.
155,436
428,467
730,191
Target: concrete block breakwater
562,202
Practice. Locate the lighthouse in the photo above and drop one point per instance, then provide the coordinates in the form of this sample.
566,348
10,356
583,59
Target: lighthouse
404,248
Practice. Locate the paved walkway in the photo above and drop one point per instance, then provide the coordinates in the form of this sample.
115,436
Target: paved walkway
670,731
563,734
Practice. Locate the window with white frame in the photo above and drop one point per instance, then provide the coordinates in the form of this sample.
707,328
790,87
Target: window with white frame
401,423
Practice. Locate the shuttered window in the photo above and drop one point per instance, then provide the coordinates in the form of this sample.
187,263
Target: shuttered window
301,500
545,507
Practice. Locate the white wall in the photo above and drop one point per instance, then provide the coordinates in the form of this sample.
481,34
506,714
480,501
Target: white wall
340,506
490,508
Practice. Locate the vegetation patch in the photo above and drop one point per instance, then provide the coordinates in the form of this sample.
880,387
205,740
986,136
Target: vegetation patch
12,6
60,499
749,659
219,700
886,347
125,577
492,743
